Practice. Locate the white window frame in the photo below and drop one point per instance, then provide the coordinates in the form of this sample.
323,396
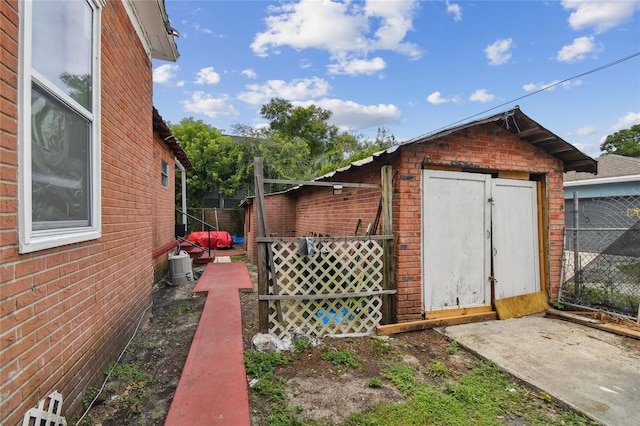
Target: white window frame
164,174
30,240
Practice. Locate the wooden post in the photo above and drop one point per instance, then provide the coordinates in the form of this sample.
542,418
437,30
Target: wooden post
388,309
263,274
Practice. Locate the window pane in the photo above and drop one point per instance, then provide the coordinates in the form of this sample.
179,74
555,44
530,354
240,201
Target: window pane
60,155
164,174
62,46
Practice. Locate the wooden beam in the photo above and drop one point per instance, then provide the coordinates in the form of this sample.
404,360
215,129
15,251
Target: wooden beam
325,296
589,322
528,132
388,309
457,312
349,238
322,183
439,322
263,306
509,174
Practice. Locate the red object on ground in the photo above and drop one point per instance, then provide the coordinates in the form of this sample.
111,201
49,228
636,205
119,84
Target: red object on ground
219,239
213,386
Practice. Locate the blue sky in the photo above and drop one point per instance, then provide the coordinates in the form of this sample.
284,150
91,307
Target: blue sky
410,66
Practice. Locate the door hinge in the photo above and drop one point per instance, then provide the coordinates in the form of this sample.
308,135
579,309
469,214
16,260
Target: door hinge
493,279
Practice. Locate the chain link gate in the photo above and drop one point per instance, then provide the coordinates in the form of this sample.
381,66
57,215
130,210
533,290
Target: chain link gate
601,260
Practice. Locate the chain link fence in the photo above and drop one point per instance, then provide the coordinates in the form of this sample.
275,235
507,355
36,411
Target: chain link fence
601,265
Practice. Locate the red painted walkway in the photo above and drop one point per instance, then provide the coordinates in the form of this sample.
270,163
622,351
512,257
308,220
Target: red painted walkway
213,385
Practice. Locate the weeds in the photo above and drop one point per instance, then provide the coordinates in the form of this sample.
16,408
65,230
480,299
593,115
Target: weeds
453,348
402,376
439,369
483,396
380,346
302,344
342,358
374,382
259,364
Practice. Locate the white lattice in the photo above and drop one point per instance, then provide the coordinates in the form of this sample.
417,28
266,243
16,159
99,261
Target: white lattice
338,267
49,416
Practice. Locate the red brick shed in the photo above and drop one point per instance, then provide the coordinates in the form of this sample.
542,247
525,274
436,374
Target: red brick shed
477,212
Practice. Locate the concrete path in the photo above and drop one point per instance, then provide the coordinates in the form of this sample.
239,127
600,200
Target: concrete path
588,369
213,385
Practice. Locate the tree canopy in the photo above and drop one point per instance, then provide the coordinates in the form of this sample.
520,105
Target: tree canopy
624,142
298,144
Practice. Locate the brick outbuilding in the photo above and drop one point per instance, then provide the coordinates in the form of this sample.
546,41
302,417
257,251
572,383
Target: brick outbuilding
477,212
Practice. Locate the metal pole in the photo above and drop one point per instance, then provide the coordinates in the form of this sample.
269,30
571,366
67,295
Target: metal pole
577,272
202,219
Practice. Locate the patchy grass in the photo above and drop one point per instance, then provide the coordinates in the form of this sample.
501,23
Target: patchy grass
484,396
342,358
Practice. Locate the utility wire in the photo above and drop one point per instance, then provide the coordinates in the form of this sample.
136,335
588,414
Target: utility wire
610,64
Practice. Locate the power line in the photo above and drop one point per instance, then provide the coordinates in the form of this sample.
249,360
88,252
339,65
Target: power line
610,64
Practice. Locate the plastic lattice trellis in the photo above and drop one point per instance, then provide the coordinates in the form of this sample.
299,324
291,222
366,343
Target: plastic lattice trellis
47,412
318,287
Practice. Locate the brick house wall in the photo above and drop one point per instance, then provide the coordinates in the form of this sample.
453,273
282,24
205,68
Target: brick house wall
67,312
163,217
482,148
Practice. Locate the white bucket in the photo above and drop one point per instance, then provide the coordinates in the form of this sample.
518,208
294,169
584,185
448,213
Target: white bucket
180,271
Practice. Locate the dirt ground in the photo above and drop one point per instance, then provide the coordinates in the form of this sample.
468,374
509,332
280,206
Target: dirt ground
140,390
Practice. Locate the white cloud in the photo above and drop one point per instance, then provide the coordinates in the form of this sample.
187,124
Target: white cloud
357,66
600,15
250,73
436,99
455,10
202,29
349,115
577,50
180,83
481,96
294,90
626,122
355,29
207,76
498,53
164,73
586,130
532,87
204,103
305,63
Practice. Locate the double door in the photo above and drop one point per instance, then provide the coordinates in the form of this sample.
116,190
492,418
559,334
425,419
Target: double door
477,231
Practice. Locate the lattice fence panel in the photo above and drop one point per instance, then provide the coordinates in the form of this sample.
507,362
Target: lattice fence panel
47,413
327,275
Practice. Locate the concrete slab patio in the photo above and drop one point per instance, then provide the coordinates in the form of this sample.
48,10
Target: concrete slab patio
593,371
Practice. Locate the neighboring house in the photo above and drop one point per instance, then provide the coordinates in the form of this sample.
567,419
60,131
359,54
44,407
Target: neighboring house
86,190
477,212
616,186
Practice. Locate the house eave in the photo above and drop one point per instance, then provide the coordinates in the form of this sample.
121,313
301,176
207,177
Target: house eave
163,131
151,22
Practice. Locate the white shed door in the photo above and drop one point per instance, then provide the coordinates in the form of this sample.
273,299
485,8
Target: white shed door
456,240
515,238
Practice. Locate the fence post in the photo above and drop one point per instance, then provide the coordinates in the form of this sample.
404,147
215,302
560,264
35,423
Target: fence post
388,309
577,269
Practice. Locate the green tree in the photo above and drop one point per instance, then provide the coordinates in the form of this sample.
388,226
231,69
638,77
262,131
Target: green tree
624,142
215,157
307,123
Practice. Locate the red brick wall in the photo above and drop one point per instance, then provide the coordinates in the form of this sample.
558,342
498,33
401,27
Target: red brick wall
281,221
163,226
485,147
67,312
